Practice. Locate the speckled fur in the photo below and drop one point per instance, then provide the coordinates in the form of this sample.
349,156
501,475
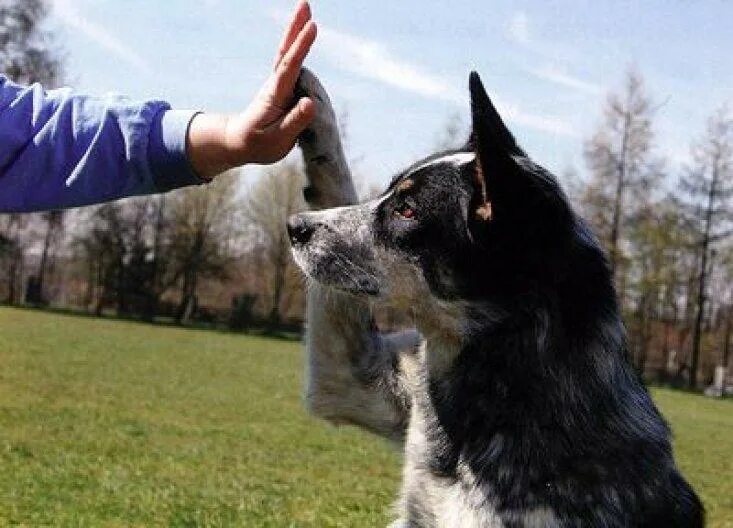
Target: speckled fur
518,408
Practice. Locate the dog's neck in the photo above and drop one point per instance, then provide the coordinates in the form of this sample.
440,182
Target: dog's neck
533,344
536,378
444,327
448,327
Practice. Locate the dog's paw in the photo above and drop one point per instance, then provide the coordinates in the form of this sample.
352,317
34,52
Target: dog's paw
329,178
321,138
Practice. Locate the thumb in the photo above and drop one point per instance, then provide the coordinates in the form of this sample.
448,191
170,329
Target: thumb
298,118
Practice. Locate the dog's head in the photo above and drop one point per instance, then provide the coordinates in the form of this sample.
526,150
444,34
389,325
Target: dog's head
481,223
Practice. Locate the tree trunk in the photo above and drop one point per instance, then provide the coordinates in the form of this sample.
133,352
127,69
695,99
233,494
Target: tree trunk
187,307
100,289
44,262
697,330
702,282
121,288
91,280
277,290
42,270
618,200
12,279
727,337
156,281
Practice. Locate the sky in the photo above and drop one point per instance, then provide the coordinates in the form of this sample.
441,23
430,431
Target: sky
399,69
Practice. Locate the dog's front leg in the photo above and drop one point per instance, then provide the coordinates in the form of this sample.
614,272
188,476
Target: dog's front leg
329,177
355,375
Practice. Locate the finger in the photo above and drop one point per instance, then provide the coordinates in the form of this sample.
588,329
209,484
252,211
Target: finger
297,119
300,17
288,70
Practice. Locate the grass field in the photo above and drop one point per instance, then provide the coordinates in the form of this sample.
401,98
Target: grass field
109,423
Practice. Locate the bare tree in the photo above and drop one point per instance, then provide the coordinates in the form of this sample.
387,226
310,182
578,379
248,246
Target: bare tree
137,250
14,229
573,183
161,272
659,246
619,157
108,243
727,339
202,225
28,54
727,311
276,195
115,250
709,186
53,227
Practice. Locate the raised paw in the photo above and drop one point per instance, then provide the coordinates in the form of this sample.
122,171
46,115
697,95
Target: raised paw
322,134
329,177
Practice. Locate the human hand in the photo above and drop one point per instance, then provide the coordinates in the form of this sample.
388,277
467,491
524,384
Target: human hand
268,129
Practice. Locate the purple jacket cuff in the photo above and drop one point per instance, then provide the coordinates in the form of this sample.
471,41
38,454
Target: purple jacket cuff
167,150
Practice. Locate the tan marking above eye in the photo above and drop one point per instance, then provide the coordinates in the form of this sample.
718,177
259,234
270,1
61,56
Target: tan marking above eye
484,212
405,185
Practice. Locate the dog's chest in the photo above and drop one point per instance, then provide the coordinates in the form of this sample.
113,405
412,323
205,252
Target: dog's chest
432,501
429,500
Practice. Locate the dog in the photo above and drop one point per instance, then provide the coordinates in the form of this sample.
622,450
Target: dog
519,407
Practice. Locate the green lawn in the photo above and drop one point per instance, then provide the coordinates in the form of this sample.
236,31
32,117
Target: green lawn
109,423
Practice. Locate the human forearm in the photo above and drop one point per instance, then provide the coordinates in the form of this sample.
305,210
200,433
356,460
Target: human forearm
59,149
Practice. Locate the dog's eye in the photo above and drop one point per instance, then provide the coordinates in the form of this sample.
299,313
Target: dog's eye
405,210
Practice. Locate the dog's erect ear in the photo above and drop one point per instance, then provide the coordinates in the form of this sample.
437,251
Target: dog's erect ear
494,145
488,128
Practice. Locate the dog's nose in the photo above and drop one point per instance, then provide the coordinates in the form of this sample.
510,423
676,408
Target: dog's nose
300,230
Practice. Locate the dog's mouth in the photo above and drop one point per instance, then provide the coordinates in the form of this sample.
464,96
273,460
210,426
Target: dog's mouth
363,288
338,272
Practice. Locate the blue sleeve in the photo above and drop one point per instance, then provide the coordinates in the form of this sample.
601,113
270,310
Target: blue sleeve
60,150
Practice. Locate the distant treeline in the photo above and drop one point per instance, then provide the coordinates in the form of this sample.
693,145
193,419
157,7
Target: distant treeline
216,255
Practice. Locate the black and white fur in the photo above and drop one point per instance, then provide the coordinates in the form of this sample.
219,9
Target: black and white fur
519,407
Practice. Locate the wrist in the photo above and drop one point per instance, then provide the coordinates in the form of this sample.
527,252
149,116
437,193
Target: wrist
208,149
168,150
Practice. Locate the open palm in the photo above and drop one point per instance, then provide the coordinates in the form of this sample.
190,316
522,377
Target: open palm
267,130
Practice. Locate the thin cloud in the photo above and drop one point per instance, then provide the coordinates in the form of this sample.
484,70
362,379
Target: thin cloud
374,61
557,76
544,123
518,28
67,13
